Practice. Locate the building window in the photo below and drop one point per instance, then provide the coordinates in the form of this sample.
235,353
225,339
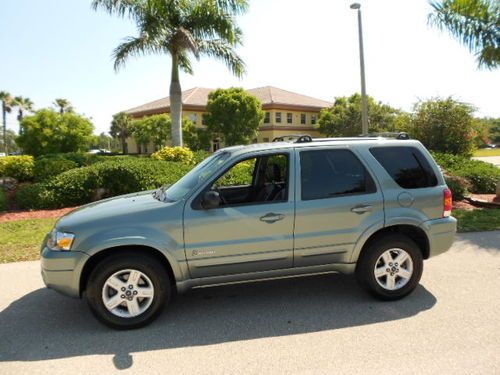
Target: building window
266,140
204,119
303,118
267,118
193,117
278,117
289,118
313,119
215,145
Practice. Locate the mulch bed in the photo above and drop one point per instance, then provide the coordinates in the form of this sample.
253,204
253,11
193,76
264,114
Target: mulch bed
38,214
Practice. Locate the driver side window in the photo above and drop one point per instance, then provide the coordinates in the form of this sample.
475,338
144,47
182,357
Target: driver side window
255,180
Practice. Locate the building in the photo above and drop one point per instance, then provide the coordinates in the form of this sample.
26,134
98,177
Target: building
285,112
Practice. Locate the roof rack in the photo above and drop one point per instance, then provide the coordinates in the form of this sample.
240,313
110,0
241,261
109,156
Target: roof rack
306,138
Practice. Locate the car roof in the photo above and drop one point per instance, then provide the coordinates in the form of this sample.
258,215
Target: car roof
321,142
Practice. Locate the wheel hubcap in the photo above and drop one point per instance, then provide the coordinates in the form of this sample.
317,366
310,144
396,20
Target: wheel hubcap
393,269
127,293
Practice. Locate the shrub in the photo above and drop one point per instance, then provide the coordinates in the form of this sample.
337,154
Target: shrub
182,154
46,168
3,200
80,158
199,156
459,186
482,176
18,167
119,176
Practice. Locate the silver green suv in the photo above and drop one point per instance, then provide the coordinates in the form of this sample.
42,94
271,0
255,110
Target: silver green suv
372,207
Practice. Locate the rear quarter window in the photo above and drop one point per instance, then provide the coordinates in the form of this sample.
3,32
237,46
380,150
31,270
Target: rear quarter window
407,166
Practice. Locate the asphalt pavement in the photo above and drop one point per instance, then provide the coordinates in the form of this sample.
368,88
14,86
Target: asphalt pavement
314,325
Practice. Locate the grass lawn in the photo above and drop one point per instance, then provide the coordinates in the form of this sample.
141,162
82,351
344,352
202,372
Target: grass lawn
477,220
487,152
21,240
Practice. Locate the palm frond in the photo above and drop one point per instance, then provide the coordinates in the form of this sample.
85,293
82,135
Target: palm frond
475,23
185,63
134,46
220,50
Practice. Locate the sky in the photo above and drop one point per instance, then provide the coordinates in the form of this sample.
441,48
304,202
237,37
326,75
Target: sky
62,49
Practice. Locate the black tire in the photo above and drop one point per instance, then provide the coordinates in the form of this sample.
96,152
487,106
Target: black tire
366,264
144,263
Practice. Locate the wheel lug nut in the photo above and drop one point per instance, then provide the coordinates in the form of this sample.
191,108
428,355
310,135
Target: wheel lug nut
123,289
388,270
135,292
123,296
130,286
390,264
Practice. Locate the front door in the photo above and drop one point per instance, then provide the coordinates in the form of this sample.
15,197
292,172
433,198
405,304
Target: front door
337,200
252,229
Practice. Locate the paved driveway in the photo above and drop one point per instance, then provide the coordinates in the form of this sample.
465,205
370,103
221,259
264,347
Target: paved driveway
320,325
495,160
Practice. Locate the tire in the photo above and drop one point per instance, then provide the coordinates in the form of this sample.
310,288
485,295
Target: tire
136,304
388,280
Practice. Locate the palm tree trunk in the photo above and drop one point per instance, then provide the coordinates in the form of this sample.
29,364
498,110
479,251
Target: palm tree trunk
176,103
124,145
4,118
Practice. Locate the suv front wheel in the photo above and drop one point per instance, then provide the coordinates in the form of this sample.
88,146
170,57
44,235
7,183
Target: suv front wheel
127,291
390,267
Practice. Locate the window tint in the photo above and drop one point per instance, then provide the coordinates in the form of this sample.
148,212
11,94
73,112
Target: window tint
406,165
330,173
240,174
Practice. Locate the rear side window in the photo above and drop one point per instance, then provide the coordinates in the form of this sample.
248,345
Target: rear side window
406,165
330,173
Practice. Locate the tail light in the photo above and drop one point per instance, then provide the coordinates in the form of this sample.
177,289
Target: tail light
448,202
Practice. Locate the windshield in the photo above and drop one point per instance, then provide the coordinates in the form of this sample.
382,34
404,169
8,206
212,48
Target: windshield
196,176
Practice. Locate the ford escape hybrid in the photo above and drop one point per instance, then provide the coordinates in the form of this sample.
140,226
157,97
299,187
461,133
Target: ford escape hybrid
371,206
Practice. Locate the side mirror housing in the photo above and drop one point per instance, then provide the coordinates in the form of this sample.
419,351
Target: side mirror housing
211,199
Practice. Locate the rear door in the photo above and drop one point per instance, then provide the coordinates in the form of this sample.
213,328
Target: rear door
337,199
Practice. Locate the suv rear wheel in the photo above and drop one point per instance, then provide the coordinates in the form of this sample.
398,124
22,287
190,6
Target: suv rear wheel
390,267
127,291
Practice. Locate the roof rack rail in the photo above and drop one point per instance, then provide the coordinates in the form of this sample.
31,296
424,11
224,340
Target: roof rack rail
295,138
397,135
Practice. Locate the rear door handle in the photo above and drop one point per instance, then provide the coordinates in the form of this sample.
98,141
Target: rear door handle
362,208
271,217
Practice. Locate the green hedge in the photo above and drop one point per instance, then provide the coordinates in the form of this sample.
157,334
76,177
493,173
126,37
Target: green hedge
48,167
18,167
483,177
113,177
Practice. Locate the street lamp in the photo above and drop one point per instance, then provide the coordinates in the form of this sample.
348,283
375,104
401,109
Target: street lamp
364,100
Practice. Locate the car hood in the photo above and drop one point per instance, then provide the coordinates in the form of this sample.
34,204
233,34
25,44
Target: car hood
113,210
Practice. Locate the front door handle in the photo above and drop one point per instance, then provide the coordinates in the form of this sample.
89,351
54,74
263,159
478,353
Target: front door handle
271,217
362,208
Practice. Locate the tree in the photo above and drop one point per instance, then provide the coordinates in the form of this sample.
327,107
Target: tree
120,128
155,128
48,132
475,23
180,28
444,125
104,141
63,105
234,114
23,105
195,138
344,117
6,99
11,141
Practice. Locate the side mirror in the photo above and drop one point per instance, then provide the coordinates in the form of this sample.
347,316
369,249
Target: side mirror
211,199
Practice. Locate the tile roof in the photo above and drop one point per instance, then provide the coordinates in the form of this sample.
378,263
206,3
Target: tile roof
268,95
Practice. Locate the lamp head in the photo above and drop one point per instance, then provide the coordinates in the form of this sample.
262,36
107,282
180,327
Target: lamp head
355,5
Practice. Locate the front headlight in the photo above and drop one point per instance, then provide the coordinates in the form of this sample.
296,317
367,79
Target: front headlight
60,240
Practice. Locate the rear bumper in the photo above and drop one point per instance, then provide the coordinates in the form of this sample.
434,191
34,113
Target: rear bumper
441,234
61,270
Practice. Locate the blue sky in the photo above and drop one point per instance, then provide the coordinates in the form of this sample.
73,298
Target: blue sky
61,48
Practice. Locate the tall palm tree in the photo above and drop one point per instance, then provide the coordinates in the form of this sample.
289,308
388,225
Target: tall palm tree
121,128
23,105
475,23
181,29
6,99
64,105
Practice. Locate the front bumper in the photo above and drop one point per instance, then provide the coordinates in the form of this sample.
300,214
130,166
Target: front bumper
61,270
441,234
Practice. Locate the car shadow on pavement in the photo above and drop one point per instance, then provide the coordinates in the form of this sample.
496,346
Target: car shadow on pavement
45,325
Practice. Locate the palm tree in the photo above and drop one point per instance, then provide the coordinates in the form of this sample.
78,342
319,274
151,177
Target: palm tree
121,128
6,99
475,23
180,28
64,105
23,105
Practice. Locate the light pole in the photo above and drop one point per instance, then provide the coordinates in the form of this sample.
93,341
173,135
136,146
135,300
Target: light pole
364,99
